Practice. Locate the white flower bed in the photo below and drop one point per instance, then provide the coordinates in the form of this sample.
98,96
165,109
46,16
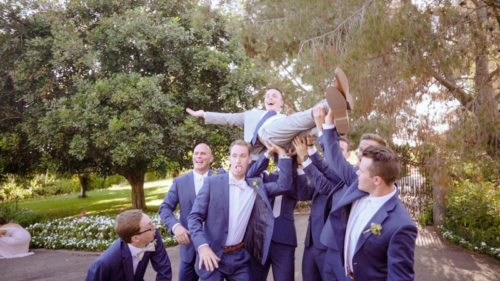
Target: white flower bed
482,248
91,233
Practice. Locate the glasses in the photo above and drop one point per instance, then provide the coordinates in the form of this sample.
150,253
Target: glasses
149,229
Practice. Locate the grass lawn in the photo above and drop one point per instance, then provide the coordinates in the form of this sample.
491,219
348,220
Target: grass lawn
107,201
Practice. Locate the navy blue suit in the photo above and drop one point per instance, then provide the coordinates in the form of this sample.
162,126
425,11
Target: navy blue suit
116,263
211,206
284,240
389,256
182,192
323,182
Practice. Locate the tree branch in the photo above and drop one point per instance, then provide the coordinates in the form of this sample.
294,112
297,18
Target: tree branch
460,94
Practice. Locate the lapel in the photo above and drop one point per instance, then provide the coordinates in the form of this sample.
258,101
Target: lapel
225,194
259,189
351,195
379,217
191,190
127,264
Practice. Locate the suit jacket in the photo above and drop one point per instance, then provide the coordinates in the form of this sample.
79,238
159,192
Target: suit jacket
181,192
212,207
389,256
116,263
284,225
248,120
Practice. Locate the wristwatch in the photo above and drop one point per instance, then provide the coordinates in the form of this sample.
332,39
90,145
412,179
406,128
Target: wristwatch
305,158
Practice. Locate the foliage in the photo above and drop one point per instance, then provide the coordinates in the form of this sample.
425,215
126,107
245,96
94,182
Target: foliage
92,233
106,85
474,213
482,247
426,217
21,216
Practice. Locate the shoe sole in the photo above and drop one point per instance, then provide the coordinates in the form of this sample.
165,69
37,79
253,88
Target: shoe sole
343,87
337,103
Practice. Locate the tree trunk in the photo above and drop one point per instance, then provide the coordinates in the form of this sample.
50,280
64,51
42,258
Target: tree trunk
439,190
137,183
84,183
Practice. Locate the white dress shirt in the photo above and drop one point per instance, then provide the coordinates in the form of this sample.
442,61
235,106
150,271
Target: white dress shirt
240,207
134,250
362,212
198,184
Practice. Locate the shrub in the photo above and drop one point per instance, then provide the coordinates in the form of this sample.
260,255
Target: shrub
427,215
23,216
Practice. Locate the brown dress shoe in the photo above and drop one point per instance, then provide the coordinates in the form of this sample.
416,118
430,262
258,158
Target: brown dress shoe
337,103
343,86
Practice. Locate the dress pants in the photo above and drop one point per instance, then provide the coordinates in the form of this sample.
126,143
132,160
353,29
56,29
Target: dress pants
281,257
233,266
282,130
187,271
312,264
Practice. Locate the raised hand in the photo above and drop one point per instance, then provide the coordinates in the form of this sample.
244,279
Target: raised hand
273,148
208,257
319,114
329,118
300,147
181,234
310,140
198,113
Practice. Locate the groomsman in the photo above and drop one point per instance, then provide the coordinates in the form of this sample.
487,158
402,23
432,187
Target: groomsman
270,125
374,232
128,257
232,217
183,192
284,240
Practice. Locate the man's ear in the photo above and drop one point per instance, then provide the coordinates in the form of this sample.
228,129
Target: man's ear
211,158
378,181
250,159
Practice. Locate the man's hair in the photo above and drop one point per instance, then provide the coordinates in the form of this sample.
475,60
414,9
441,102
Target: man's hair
240,142
275,88
385,162
127,224
3,221
373,137
346,140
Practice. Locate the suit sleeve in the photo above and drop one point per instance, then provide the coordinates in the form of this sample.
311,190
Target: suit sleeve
98,271
324,168
168,207
304,192
285,179
258,167
226,119
400,255
160,260
335,159
322,184
198,215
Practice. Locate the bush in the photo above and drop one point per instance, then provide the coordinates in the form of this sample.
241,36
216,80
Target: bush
427,215
473,216
23,217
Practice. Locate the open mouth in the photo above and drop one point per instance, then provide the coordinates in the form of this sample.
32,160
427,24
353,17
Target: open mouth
238,169
270,103
198,162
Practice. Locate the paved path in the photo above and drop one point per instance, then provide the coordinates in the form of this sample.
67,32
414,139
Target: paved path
435,259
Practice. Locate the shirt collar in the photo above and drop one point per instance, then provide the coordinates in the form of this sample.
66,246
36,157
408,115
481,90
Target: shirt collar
379,201
198,176
134,250
232,177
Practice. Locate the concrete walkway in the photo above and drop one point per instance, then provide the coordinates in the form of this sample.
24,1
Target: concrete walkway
435,259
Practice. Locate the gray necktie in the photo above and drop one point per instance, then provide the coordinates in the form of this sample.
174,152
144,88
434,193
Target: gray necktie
277,206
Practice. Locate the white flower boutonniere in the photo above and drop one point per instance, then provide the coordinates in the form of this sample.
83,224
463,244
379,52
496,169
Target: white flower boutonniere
375,228
215,173
256,183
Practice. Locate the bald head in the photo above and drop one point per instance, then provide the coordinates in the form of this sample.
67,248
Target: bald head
202,156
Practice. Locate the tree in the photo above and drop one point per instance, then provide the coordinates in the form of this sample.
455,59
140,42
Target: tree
113,80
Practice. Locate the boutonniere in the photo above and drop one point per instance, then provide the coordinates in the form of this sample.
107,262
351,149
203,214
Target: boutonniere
215,173
375,228
154,241
256,183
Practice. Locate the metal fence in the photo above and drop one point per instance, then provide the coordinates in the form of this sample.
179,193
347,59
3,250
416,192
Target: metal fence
415,189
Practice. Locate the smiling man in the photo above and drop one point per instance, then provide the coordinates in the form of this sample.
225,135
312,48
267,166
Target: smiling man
183,192
270,125
128,257
232,217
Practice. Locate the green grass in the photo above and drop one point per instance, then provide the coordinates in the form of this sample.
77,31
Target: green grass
107,201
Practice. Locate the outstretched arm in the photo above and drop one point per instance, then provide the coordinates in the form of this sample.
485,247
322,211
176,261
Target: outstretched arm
168,206
333,153
160,260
